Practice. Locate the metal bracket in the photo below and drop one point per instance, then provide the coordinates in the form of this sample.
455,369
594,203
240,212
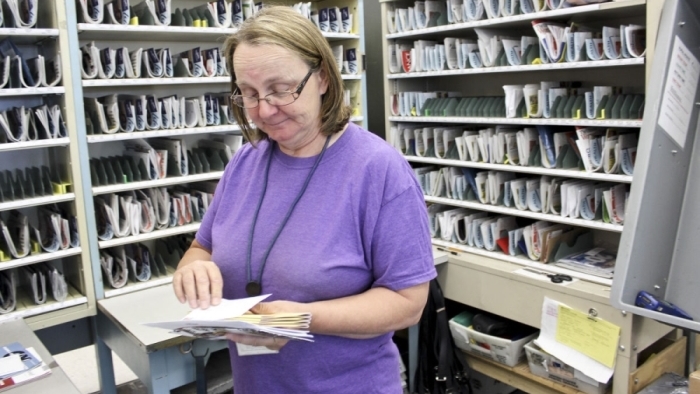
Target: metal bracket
200,370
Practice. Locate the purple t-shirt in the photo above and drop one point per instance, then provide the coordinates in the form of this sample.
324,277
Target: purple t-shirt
362,223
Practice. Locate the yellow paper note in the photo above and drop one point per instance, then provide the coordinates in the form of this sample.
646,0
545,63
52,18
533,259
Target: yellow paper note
596,338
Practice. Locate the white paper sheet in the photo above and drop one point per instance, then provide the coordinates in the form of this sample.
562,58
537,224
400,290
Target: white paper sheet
226,309
679,92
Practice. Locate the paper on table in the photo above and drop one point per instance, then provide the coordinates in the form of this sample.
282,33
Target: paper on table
548,342
10,365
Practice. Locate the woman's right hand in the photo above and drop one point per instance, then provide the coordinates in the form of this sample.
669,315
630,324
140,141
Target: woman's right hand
199,283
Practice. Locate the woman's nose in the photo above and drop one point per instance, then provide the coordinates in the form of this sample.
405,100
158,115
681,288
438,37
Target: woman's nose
266,109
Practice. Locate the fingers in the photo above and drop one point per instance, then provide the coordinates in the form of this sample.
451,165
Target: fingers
216,285
177,287
272,343
199,283
189,284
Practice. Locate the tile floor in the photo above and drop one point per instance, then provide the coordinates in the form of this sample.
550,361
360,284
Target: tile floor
81,367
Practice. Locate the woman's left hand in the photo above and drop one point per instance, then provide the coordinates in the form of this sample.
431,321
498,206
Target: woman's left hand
266,308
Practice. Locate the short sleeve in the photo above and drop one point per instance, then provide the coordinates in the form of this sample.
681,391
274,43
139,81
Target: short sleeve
402,254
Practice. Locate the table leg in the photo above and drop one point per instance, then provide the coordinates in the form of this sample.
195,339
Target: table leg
105,367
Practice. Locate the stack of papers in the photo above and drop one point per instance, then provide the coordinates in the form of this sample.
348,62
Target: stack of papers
598,262
19,366
233,316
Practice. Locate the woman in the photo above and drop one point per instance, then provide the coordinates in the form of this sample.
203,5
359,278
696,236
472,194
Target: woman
316,211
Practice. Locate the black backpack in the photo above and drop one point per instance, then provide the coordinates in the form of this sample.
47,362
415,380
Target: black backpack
441,369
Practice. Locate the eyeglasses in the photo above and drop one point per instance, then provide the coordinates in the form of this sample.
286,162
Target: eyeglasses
278,99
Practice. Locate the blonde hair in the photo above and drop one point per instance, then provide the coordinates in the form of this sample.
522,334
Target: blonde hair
284,27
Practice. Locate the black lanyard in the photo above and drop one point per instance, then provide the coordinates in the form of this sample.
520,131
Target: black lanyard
254,287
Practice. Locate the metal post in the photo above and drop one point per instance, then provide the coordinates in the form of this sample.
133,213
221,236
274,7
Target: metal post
689,352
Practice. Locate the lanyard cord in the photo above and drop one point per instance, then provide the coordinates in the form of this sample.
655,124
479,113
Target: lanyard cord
284,222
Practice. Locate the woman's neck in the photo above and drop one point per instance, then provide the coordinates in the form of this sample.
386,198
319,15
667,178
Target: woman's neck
313,147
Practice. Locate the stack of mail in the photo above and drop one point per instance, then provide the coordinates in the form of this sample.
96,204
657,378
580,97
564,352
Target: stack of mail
571,198
108,63
348,66
8,291
20,238
553,100
546,242
18,71
38,275
328,20
147,12
144,211
20,124
19,13
592,149
19,366
126,113
611,151
597,261
132,261
627,41
570,42
56,231
233,316
540,241
422,15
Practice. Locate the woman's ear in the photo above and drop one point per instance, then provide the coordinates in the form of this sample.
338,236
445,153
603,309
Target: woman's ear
322,82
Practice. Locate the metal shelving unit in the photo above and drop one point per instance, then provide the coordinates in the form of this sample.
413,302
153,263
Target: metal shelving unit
528,68
564,173
518,121
49,38
494,281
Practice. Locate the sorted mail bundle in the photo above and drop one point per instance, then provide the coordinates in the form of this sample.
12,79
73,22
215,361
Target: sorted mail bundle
560,244
126,113
549,100
161,158
41,279
136,263
587,200
552,42
18,71
20,14
108,63
56,231
133,261
595,150
557,100
218,14
433,13
144,211
21,124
